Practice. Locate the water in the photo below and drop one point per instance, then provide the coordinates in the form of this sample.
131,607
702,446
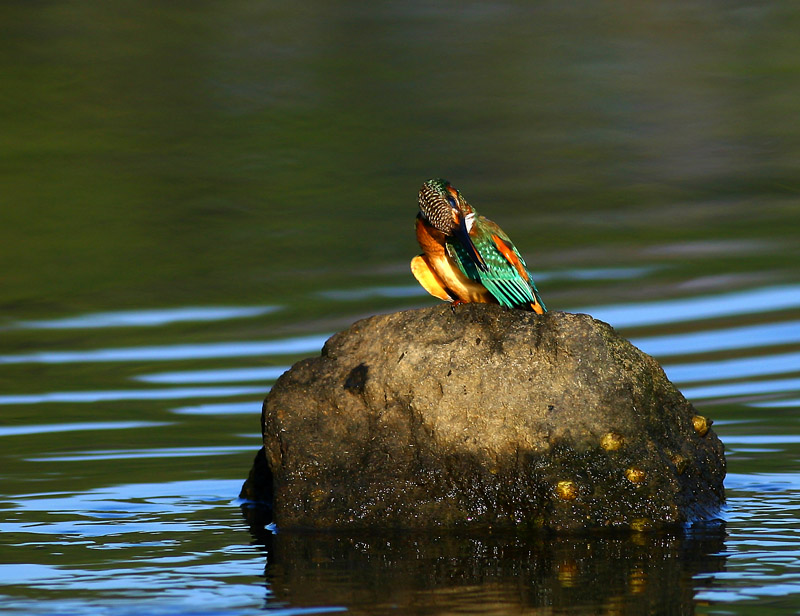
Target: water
195,197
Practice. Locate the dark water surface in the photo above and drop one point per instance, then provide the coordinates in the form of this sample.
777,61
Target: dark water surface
194,196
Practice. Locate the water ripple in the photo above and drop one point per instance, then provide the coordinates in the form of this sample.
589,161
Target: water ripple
399,291
192,490
224,408
734,368
128,454
777,404
743,389
415,290
76,427
215,350
148,318
751,301
748,336
226,375
598,273
762,439
131,394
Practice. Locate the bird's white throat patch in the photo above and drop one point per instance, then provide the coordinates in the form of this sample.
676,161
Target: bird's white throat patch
469,220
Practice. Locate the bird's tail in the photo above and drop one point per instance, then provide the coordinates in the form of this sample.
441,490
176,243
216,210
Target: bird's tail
537,305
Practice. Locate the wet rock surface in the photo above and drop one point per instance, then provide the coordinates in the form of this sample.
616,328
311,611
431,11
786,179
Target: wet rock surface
483,417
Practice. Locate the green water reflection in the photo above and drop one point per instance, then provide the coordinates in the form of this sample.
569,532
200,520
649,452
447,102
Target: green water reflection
266,155
162,154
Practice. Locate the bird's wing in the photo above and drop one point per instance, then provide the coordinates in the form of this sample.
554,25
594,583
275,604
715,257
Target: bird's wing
505,274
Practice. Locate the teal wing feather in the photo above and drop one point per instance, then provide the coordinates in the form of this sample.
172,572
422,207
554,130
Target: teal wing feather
530,286
500,277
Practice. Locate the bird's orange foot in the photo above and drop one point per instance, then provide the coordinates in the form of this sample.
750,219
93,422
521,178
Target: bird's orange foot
456,302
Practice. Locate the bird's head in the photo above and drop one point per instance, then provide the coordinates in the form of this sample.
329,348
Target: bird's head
442,205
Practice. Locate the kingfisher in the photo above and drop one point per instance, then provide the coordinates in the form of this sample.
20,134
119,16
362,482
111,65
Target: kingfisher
466,257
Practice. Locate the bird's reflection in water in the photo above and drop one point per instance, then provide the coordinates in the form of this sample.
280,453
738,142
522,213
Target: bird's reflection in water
491,573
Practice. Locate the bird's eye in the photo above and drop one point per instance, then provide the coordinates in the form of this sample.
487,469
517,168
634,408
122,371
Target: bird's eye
451,201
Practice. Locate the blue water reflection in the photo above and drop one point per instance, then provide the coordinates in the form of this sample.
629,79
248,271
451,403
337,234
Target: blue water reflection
212,350
598,273
726,369
724,339
743,389
149,318
209,572
168,497
221,375
130,394
151,452
223,408
777,404
79,427
751,301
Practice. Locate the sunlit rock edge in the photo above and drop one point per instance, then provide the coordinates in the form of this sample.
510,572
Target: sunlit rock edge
479,417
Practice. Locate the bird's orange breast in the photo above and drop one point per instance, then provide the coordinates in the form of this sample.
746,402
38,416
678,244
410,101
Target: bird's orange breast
457,284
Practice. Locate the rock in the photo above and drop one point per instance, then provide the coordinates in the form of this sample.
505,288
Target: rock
480,417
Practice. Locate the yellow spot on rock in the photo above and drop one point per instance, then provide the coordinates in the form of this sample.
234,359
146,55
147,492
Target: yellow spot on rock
680,463
640,524
612,441
701,424
567,490
635,475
